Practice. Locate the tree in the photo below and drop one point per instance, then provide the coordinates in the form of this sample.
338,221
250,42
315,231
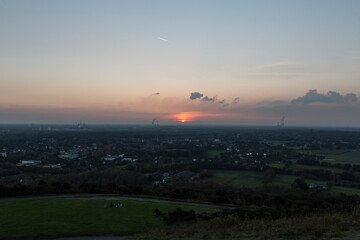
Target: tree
269,175
300,184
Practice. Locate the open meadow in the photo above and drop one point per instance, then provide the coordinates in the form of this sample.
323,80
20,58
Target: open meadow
39,218
341,156
254,179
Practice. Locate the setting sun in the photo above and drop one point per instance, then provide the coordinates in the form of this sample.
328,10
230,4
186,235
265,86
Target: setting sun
190,116
183,117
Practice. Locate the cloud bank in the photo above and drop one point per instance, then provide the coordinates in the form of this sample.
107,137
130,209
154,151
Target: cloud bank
331,97
197,95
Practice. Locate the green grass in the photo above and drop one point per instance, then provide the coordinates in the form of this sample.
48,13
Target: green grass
215,153
341,156
277,165
346,190
60,217
238,178
248,178
284,179
299,166
254,179
336,158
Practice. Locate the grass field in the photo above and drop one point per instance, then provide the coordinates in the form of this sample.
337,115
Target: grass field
299,166
247,178
214,153
254,179
238,178
352,156
346,190
277,165
63,217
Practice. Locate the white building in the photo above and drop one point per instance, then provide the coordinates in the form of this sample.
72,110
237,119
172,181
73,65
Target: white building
112,158
56,165
28,162
68,155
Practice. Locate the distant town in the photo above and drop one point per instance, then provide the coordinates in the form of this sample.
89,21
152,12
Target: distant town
163,154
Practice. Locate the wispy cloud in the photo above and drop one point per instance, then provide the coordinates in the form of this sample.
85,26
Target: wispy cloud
162,39
280,64
235,101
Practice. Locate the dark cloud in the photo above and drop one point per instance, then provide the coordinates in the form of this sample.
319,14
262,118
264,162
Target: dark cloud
156,93
235,101
331,97
207,99
196,95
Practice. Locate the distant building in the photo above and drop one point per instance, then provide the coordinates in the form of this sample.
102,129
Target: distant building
56,165
114,157
68,155
319,187
28,162
129,159
110,158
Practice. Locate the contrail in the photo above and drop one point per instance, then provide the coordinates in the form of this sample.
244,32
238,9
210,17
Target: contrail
162,39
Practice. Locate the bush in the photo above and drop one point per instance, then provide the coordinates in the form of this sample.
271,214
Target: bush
179,215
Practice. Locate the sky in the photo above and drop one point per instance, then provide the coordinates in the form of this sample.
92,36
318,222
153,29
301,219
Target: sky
183,62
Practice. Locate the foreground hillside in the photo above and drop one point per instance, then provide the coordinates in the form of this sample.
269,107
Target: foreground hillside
337,226
46,218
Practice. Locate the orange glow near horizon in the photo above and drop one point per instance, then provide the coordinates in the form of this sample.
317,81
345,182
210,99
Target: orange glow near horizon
183,117
189,116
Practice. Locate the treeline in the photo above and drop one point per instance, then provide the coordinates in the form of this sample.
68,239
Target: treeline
344,166
272,197
343,179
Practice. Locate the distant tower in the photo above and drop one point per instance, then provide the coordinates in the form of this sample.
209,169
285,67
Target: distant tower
282,122
80,124
155,122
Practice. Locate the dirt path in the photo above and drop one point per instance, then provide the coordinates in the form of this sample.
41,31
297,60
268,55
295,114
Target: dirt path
93,238
92,197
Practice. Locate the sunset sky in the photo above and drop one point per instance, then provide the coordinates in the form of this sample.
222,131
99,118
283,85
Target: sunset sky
183,62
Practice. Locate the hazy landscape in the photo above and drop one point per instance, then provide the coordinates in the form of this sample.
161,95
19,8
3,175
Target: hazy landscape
170,119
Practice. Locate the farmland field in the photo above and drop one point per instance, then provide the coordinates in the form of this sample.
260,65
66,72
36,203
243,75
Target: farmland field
352,156
254,179
277,165
299,166
61,217
238,178
215,153
247,178
308,167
